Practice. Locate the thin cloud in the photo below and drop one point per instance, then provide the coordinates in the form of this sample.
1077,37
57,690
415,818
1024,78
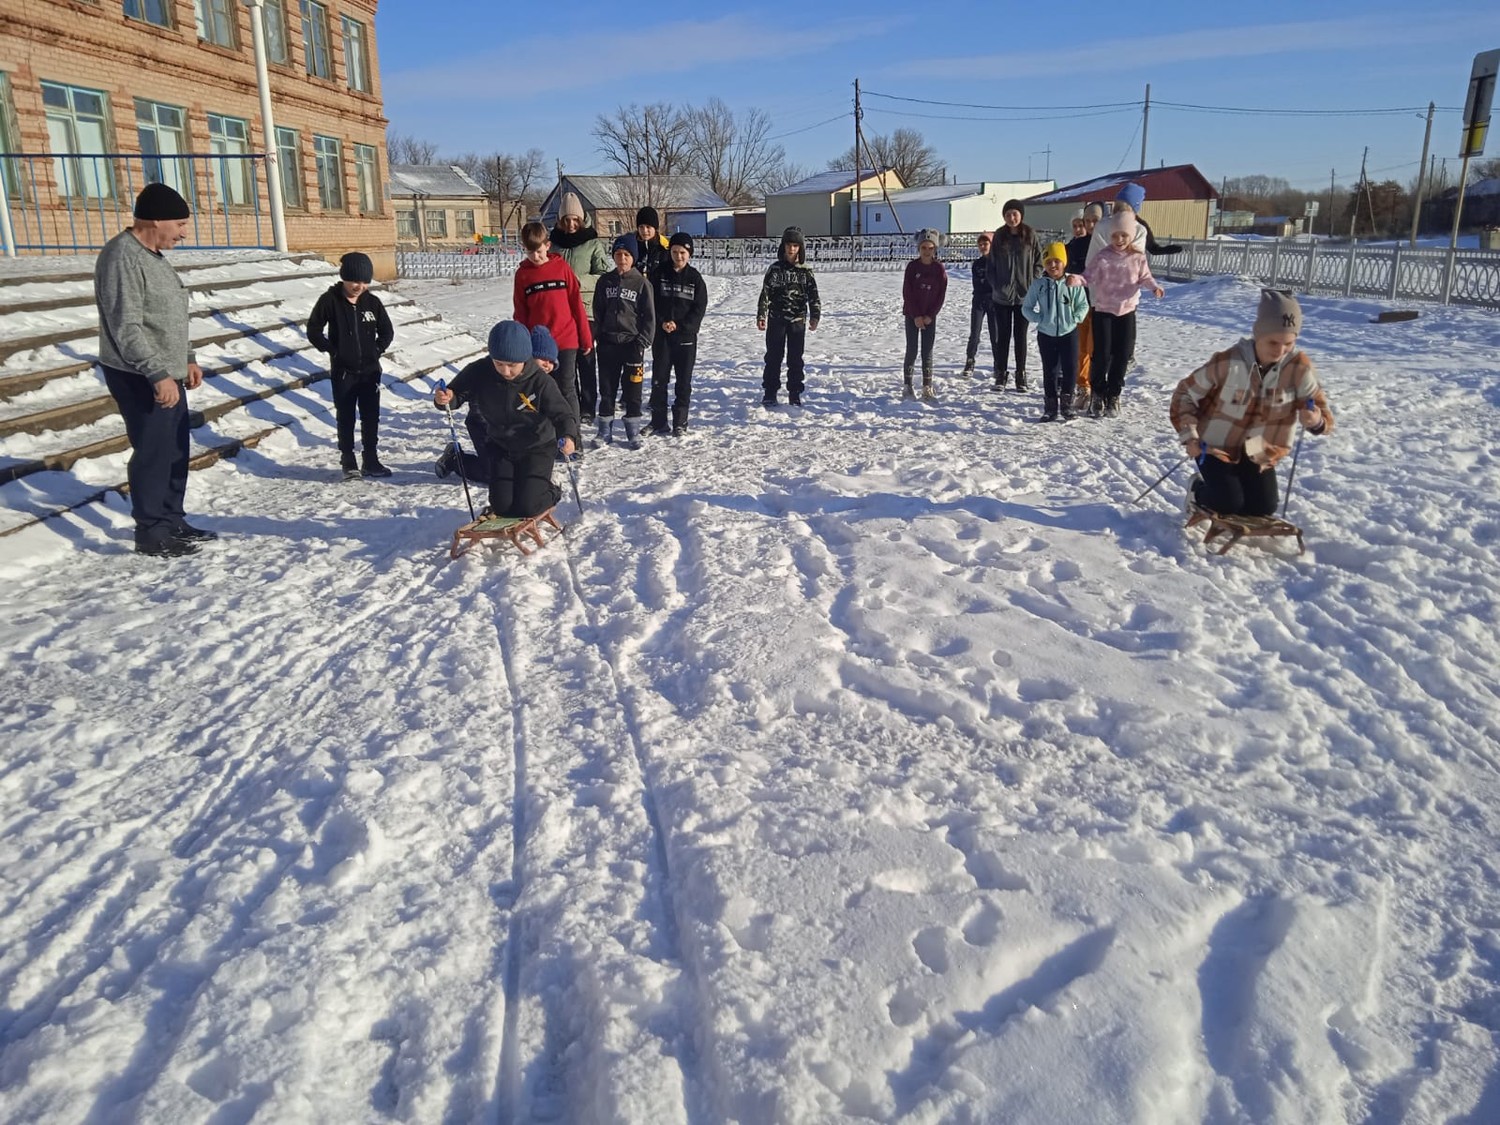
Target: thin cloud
670,48
1202,45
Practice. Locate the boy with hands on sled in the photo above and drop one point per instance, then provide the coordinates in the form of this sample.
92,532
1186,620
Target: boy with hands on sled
1235,414
526,421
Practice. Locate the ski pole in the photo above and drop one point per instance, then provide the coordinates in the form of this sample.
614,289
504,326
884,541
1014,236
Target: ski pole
442,385
1175,466
570,461
1296,449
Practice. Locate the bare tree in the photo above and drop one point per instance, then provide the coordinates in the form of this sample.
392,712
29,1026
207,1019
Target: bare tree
733,154
904,152
649,141
402,148
514,182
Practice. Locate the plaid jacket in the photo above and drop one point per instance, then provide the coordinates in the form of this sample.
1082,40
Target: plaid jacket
1229,400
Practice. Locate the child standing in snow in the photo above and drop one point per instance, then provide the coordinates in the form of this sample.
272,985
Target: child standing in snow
1057,309
1014,262
1234,415
922,293
626,317
525,418
982,309
788,309
547,293
350,324
1115,278
681,300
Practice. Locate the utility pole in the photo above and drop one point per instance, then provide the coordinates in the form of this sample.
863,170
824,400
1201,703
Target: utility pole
1416,210
1145,124
859,140
1354,212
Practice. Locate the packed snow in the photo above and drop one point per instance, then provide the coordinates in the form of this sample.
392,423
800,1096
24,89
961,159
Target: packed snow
873,761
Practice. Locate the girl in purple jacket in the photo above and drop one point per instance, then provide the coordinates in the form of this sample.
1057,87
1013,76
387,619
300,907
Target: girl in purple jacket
922,293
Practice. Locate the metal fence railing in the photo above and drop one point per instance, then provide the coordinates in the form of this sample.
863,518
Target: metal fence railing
69,202
1351,269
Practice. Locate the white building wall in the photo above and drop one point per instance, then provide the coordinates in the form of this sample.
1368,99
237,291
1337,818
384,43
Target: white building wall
878,218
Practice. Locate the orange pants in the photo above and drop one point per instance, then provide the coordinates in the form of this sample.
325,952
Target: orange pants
1085,351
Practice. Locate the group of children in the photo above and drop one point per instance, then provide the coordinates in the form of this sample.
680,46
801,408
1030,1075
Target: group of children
532,394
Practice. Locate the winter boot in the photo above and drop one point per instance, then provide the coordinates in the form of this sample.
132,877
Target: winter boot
370,466
927,391
447,464
604,431
349,466
968,367
1020,379
1096,406
633,433
908,391
1112,407
1001,378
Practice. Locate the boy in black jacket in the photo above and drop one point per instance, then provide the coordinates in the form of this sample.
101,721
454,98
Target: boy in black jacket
350,324
526,421
681,301
625,317
787,309
982,311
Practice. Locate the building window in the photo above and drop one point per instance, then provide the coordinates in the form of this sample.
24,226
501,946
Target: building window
330,159
437,224
315,39
277,50
149,11
406,226
162,132
356,55
216,22
229,138
289,156
463,224
367,176
78,132
10,170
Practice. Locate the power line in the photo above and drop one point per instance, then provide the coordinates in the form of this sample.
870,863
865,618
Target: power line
1263,112
973,117
1002,108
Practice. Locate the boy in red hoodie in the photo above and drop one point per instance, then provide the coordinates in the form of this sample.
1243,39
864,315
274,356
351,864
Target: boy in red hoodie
547,293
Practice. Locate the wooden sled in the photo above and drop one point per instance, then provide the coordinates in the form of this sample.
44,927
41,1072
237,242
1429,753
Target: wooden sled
1231,529
510,529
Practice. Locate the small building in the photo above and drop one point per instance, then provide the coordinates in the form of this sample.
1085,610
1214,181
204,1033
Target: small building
684,203
946,208
749,223
1481,209
820,204
1179,201
169,92
438,205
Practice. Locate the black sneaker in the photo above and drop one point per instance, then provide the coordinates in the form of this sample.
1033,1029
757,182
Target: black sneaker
166,547
680,430
1050,416
371,467
660,429
769,399
794,400
195,534
1020,380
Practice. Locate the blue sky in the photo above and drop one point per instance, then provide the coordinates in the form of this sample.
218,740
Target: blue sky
1071,76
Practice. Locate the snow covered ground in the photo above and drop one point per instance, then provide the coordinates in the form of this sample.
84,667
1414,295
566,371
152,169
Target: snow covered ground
877,761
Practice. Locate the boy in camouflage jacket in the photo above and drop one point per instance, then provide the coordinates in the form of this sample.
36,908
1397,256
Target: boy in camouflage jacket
788,308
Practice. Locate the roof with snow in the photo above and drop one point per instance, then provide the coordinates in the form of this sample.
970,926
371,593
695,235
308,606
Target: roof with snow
680,193
936,193
437,181
1179,181
826,183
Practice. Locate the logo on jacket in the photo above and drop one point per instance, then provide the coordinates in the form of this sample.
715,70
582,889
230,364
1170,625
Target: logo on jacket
526,402
367,315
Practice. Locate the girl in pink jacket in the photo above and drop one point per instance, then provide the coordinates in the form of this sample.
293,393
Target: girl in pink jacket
1115,278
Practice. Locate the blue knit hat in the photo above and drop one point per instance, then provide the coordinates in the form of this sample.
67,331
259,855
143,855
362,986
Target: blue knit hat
1133,194
543,346
510,342
625,242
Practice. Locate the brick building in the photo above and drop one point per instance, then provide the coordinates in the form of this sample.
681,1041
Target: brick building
107,95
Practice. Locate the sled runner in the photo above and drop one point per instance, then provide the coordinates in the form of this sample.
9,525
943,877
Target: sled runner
511,529
1231,529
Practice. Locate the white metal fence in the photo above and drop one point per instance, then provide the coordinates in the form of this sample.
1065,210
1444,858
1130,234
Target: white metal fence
1351,269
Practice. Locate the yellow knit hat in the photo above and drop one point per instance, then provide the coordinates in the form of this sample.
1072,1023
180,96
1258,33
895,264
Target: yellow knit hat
1055,250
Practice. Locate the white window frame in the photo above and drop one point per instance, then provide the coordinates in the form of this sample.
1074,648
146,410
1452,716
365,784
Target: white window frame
216,23
464,227
278,42
436,222
328,154
162,142
70,129
230,136
406,227
10,170
315,40
367,178
289,157
356,55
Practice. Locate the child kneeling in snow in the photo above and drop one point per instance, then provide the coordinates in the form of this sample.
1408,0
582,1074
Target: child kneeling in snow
1234,415
525,418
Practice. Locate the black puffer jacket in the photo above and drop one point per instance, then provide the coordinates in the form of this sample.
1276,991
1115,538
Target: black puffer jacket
523,415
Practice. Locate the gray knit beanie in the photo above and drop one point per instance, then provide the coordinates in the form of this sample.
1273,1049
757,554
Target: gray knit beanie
1278,312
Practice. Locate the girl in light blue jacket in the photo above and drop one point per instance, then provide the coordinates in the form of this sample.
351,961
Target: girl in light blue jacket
1057,310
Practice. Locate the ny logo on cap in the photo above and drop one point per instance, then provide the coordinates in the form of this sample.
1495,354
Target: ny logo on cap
1288,320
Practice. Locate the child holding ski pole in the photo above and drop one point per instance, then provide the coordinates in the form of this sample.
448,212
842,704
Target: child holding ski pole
1234,415
527,421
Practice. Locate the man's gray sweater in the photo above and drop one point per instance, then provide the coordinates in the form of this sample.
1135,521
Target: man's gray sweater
143,311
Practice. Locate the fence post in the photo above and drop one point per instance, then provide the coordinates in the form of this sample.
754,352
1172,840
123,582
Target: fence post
1218,255
1449,268
1349,269
1312,258
1395,273
1276,263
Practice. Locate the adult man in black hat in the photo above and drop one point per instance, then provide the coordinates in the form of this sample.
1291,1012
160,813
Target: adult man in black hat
149,366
